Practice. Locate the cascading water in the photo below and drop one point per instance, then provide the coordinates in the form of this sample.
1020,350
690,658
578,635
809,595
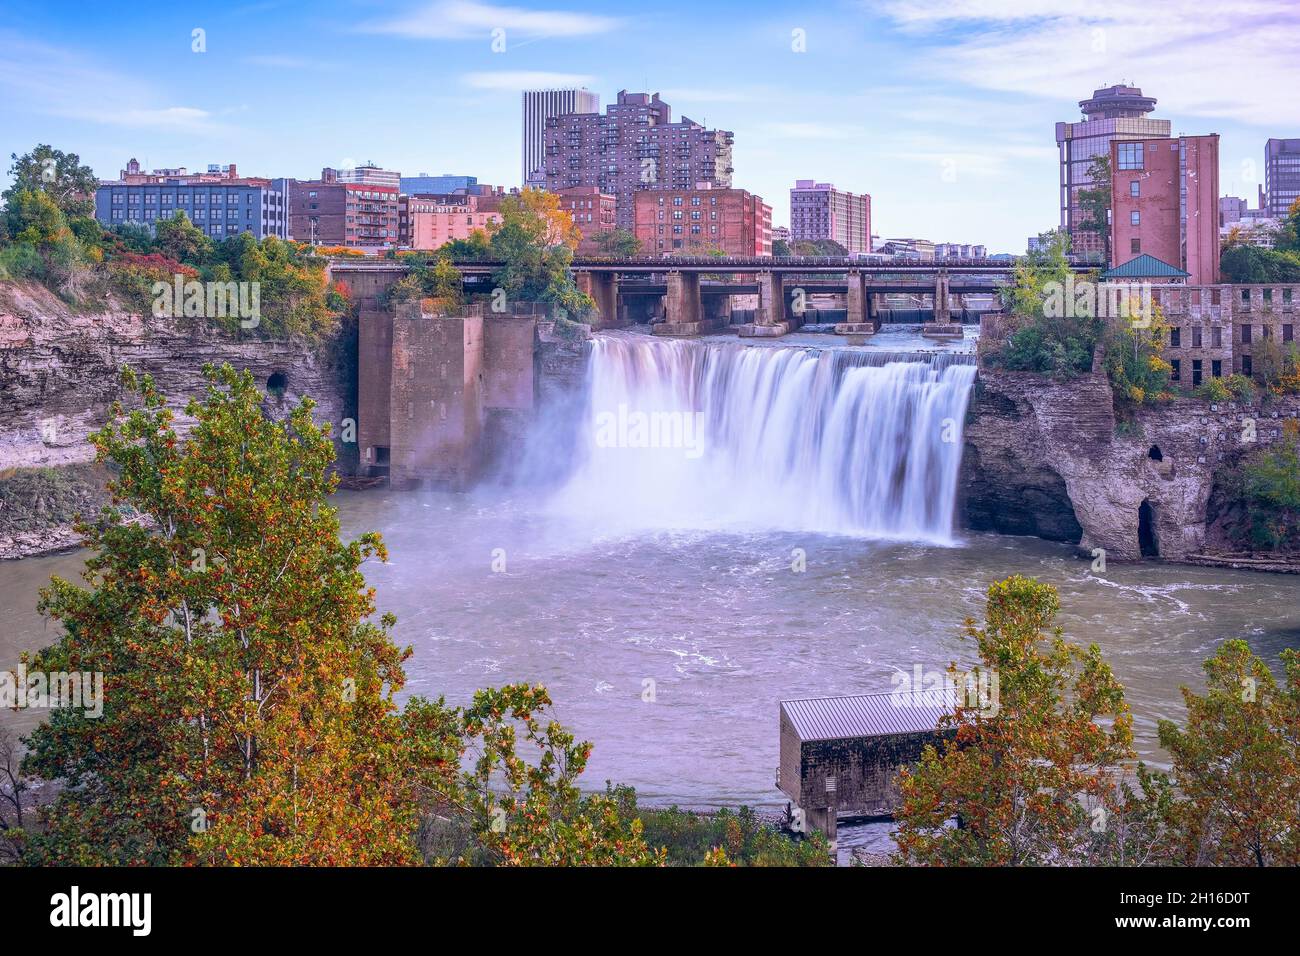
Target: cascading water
724,436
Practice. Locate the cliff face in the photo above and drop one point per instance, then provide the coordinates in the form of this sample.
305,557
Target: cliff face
59,370
1045,458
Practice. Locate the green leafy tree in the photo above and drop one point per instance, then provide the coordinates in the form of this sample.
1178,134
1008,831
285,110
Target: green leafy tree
57,174
1269,486
781,248
618,242
33,217
1236,763
1042,336
1028,781
249,695
180,239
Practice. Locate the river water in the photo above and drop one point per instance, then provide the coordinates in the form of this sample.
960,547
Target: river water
793,583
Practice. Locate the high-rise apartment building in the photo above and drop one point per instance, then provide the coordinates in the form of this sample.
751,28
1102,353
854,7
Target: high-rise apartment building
1111,113
634,145
820,211
1165,203
539,106
1281,175
700,221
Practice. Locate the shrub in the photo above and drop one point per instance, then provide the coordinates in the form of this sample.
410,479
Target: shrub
1213,390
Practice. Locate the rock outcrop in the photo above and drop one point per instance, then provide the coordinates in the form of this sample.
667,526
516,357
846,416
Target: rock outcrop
59,370
1048,458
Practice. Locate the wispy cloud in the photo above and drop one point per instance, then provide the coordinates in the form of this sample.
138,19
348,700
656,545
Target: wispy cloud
1221,63
517,80
60,82
277,61
466,19
822,131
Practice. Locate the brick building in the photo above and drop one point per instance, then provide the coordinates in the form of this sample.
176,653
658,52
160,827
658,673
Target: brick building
593,213
1216,330
1165,203
1110,113
327,212
698,221
820,211
434,221
634,145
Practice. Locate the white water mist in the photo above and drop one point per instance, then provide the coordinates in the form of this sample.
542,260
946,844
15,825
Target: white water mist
796,439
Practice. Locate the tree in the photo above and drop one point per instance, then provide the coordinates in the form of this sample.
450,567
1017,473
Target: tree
1040,339
618,242
1094,202
1029,782
33,217
183,241
59,175
249,695
780,248
538,217
1236,764
818,247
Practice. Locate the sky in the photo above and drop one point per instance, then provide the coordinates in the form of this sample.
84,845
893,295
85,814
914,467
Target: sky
942,110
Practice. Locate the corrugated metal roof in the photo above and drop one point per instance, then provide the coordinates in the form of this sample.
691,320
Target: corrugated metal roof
1145,267
867,715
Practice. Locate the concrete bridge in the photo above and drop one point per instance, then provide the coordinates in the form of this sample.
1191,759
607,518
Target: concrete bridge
691,295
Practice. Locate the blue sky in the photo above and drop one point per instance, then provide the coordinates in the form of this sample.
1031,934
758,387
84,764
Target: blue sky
942,111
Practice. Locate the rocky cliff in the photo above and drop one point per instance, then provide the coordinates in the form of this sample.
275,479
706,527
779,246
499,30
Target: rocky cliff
59,369
1049,459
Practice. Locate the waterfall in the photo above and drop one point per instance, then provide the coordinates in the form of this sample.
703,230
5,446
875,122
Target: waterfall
685,434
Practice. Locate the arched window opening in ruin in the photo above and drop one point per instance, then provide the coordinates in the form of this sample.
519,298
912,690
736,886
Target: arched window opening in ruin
277,383
1154,454
1148,543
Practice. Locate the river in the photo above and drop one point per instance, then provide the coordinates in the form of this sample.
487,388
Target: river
711,610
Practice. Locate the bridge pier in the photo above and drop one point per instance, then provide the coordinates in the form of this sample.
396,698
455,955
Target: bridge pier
603,289
943,326
770,319
857,306
683,311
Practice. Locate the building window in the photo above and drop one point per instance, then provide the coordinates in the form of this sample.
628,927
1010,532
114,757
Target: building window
1134,189
1216,368
1135,245
1246,368
1175,338
1176,374
1216,337
1135,218
1196,336
1196,372
1288,333
1130,155
1245,335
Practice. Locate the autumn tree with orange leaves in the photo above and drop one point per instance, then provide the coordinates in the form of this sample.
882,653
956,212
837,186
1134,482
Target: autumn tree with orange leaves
250,713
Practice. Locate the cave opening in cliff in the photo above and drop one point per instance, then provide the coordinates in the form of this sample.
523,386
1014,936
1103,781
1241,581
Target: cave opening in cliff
277,383
1147,540
1154,454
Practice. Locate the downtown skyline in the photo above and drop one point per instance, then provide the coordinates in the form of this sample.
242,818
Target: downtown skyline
945,116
